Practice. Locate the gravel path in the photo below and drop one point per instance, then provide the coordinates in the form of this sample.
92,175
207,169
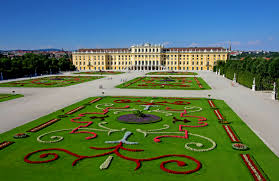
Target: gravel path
257,109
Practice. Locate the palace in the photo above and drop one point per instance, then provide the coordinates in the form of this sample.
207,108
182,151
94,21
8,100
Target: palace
149,57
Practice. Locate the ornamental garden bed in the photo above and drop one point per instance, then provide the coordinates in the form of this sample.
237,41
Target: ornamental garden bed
187,142
53,81
6,97
172,73
101,72
180,83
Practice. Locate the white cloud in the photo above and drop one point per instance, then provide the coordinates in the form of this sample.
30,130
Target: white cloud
254,42
166,43
270,38
225,43
193,45
236,42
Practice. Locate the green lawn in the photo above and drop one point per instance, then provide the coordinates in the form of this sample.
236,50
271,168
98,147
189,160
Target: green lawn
53,81
172,73
220,162
101,72
6,97
179,83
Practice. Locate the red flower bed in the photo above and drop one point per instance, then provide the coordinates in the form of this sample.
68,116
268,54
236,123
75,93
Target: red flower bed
95,100
151,103
75,110
218,114
198,82
41,126
116,151
256,173
231,133
5,144
211,103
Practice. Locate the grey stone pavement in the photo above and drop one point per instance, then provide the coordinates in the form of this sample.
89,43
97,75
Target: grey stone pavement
256,109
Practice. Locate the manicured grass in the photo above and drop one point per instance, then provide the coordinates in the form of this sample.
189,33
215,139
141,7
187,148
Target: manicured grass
221,163
101,72
184,83
6,97
53,81
172,73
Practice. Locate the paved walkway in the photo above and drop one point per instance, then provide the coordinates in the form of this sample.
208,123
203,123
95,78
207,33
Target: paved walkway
257,109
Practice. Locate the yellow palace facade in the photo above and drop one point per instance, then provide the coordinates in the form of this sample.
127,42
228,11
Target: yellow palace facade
149,57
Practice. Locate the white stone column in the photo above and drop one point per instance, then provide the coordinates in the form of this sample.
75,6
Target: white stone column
274,92
254,85
234,78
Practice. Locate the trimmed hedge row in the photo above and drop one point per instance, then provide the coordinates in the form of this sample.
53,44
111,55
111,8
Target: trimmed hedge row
264,72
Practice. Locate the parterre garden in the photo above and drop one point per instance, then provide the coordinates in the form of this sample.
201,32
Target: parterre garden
53,81
6,97
101,72
185,83
172,73
137,138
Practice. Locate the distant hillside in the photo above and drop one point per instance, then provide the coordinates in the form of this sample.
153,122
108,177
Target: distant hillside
42,50
49,49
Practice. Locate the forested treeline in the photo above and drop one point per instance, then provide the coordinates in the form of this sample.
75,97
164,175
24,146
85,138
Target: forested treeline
266,72
32,64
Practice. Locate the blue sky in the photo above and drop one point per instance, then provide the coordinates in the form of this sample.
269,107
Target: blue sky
73,24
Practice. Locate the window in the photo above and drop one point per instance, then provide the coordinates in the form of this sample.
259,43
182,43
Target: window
201,68
197,68
192,68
